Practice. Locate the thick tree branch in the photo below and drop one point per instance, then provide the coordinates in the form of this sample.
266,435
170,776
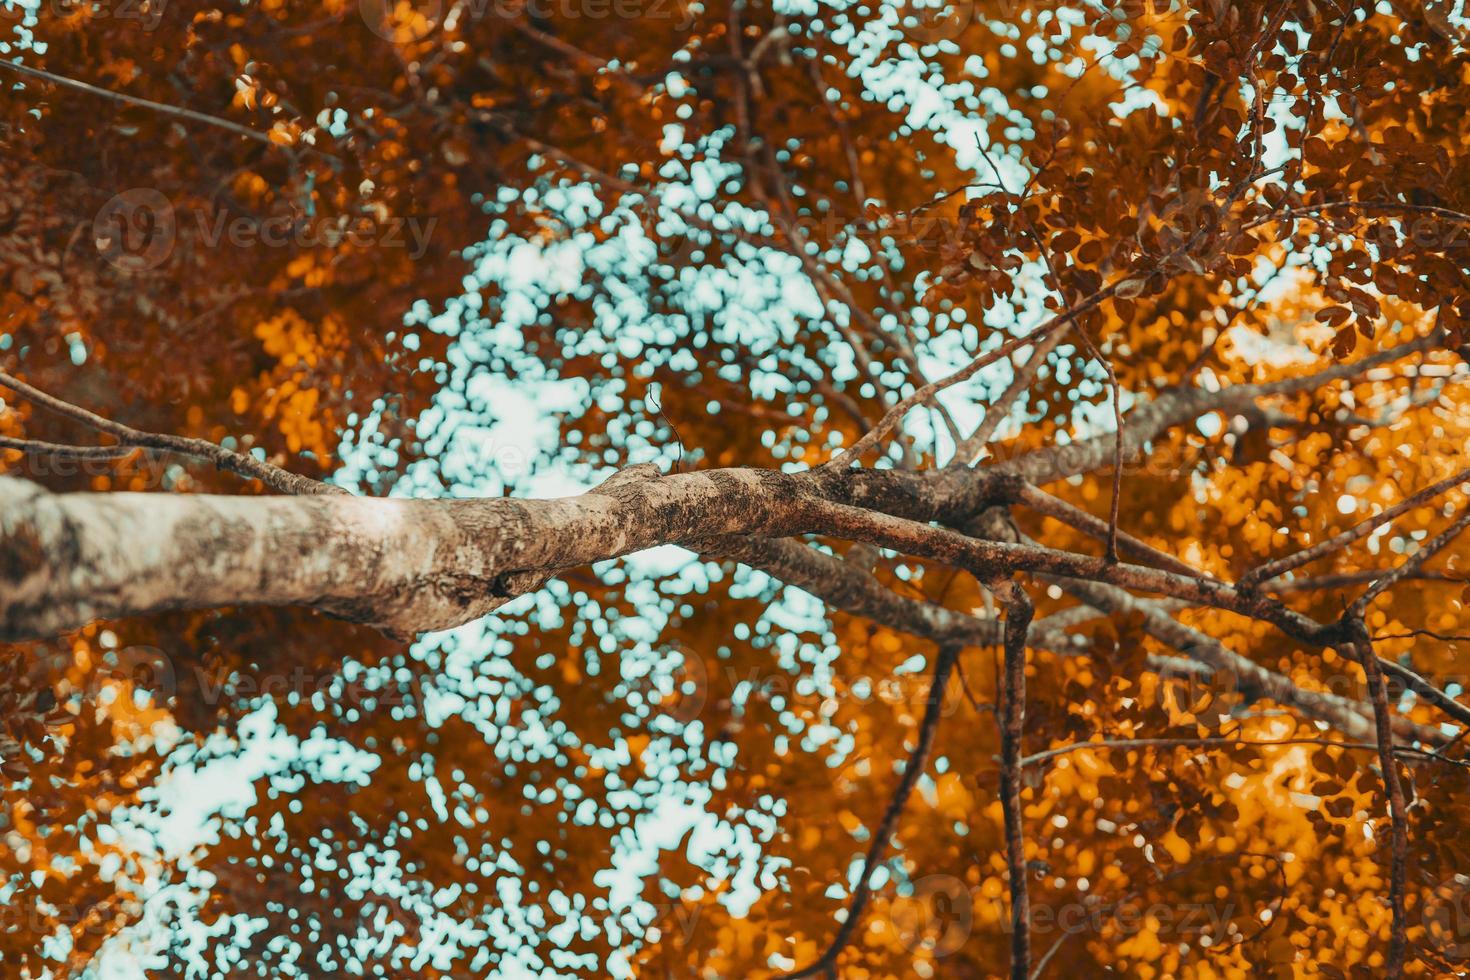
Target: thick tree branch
404,565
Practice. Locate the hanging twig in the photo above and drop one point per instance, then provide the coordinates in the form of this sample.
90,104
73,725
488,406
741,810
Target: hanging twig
913,767
1044,503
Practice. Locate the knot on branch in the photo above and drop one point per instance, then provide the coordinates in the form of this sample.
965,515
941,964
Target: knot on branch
627,476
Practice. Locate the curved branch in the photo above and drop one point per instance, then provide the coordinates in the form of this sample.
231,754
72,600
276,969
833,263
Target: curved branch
913,768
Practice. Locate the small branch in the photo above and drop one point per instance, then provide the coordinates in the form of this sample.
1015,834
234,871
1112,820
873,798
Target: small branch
967,450
1054,507
1406,570
1274,569
1411,634
1012,729
1427,691
843,585
1117,397
1341,580
1241,673
160,107
1311,211
282,481
1055,947
35,447
1112,537
1202,742
913,767
897,412
1394,790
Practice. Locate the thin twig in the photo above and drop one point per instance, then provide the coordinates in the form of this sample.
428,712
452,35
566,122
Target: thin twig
160,107
1342,580
1431,548
913,767
36,447
1081,331
1274,569
1145,743
1041,963
1044,503
1411,634
282,481
995,412
897,412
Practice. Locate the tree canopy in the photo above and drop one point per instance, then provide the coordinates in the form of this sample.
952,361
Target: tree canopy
719,488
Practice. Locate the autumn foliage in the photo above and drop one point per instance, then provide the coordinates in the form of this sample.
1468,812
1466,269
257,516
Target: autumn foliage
372,242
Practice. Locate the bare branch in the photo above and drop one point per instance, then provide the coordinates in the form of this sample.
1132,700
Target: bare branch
1244,675
1012,731
1394,791
1342,580
843,585
36,447
913,768
995,412
1274,569
282,481
896,414
1222,741
1406,570
159,107
1044,503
